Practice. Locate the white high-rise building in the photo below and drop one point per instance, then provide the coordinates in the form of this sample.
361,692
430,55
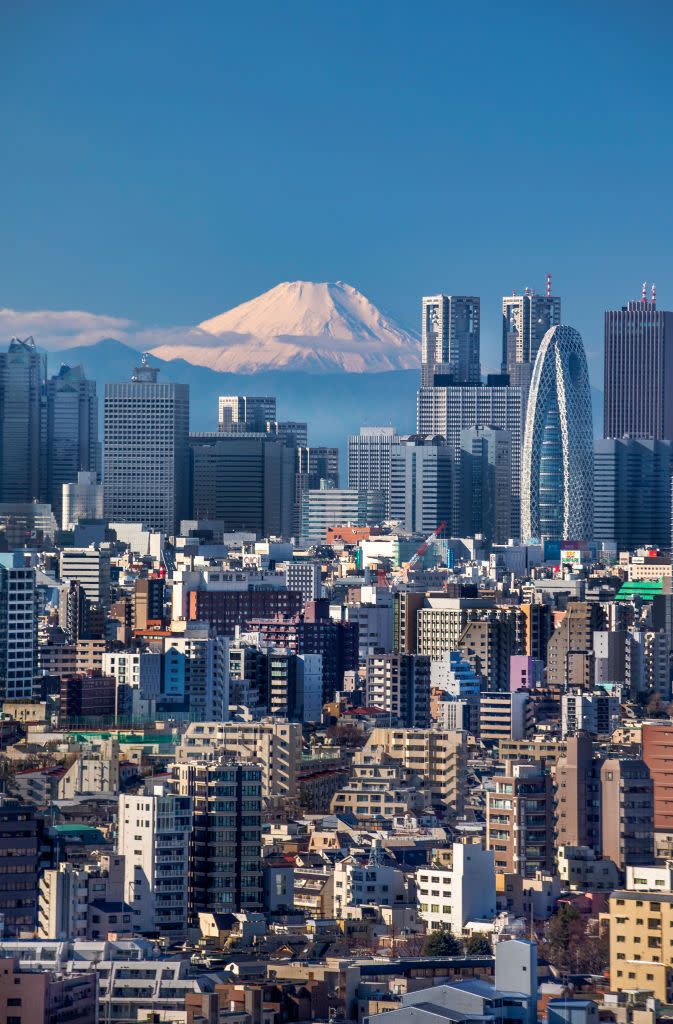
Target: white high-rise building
304,576
81,500
369,454
138,678
90,567
146,455
153,835
461,894
421,471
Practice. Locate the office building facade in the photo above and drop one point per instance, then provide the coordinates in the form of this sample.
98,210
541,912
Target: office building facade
23,372
421,471
485,484
245,413
638,372
333,506
450,338
248,483
369,454
146,452
72,432
632,492
496,404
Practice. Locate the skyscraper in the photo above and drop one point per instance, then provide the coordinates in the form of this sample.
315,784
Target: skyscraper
450,338
557,460
369,458
497,404
245,413
247,482
632,492
23,371
526,318
72,432
146,451
638,371
485,488
420,483
18,627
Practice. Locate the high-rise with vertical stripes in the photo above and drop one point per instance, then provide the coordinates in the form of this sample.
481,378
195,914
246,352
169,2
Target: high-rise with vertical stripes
639,371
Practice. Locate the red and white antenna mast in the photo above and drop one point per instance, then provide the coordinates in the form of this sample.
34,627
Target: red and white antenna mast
654,295
643,294
548,285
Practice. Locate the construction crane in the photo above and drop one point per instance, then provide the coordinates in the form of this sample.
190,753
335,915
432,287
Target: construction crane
385,579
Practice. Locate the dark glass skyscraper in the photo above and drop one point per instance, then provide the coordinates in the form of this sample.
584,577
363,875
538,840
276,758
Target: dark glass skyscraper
639,371
632,492
23,371
72,431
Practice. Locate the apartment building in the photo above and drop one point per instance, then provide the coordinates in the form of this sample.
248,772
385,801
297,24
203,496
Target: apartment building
276,747
441,621
400,685
439,756
379,788
504,716
153,837
465,892
225,868
641,942
519,820
627,811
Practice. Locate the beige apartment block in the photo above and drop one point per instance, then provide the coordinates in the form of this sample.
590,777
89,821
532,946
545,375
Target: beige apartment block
641,942
274,745
439,756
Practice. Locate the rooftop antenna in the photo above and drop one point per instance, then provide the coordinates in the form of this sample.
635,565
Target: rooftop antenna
643,295
548,285
654,295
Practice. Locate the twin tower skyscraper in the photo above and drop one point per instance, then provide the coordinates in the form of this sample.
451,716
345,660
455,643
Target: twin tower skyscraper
541,399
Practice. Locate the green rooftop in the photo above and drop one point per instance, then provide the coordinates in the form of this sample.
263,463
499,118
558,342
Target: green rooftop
85,832
123,737
645,589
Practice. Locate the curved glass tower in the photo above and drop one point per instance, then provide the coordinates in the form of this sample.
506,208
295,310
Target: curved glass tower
557,457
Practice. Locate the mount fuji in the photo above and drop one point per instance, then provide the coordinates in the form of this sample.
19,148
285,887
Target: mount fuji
298,325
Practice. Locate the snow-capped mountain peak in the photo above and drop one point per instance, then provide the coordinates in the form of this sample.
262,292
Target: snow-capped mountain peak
300,325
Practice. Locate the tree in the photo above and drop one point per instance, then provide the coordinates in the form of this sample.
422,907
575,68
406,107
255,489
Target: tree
571,947
478,945
442,943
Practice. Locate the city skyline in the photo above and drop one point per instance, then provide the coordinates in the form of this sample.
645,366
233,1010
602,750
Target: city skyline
232,175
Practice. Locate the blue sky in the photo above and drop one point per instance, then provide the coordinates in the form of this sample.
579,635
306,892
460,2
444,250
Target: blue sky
164,161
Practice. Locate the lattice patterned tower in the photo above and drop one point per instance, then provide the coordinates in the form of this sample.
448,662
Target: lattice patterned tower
556,464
